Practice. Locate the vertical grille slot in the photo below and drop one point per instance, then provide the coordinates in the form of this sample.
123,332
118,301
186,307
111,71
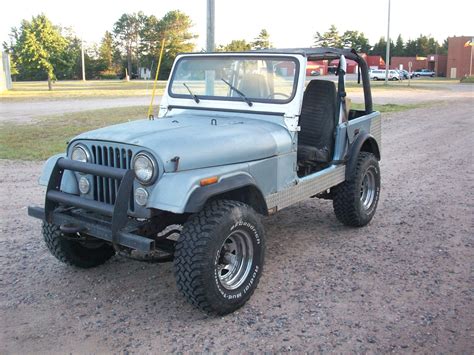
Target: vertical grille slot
105,189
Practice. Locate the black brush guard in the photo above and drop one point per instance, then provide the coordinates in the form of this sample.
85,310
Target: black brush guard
73,213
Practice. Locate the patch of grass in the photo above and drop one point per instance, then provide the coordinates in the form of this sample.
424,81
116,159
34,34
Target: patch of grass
41,139
467,80
31,90
417,85
388,108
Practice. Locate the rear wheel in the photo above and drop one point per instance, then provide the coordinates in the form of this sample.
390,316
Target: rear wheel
77,253
219,256
355,200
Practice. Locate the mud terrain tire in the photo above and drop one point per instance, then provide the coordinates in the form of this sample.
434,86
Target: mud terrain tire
74,252
219,256
355,200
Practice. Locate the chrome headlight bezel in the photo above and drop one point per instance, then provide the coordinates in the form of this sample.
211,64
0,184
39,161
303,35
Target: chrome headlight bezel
84,150
154,166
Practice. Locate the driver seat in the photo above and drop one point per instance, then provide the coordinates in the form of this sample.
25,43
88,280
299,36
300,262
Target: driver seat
318,123
254,86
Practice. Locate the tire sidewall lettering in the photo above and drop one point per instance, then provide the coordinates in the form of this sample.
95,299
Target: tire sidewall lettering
252,277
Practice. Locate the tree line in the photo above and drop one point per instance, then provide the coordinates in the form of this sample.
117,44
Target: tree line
40,50
421,46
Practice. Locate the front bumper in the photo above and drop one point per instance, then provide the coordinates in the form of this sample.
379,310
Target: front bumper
97,219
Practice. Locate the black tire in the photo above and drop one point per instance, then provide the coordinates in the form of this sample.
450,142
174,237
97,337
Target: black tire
73,252
354,204
201,251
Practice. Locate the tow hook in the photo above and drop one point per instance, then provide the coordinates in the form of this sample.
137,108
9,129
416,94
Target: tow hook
70,228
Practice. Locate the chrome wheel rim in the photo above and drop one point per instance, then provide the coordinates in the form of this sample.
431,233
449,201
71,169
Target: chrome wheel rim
367,189
235,259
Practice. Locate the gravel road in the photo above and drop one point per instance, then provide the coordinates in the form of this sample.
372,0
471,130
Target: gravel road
404,283
25,112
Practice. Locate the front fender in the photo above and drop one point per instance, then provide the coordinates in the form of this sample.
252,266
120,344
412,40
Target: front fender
177,192
68,183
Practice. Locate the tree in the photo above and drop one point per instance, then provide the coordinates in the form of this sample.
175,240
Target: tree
380,48
422,46
127,31
108,57
443,49
399,49
70,66
331,38
356,40
236,45
39,46
262,41
411,48
175,28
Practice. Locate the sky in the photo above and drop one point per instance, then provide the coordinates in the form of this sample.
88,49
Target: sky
289,23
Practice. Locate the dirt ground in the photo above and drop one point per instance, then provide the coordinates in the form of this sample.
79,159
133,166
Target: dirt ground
404,283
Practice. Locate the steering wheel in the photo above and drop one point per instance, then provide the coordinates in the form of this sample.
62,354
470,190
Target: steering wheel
272,96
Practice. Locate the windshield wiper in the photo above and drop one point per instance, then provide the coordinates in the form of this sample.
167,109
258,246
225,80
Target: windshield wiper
241,94
194,96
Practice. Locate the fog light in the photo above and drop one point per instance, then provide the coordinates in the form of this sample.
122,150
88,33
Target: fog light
141,196
84,185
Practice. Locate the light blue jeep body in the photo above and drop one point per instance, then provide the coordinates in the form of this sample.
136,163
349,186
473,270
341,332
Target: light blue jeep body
251,150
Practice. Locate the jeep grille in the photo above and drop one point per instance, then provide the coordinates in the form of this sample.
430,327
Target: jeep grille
105,189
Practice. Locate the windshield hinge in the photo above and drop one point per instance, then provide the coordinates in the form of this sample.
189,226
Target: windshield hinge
291,122
163,111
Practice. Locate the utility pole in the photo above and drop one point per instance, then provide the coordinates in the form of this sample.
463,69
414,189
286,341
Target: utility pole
210,46
387,52
471,44
83,63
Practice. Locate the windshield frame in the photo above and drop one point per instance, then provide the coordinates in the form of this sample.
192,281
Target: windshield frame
243,56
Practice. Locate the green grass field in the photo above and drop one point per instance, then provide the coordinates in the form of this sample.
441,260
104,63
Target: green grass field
38,90
47,136
77,89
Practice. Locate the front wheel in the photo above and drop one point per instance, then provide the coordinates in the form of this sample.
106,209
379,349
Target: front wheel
219,256
355,200
75,252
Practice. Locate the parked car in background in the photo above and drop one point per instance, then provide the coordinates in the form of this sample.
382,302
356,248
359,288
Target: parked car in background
424,72
379,74
404,74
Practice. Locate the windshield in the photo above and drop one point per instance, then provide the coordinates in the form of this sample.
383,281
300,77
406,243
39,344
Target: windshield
235,78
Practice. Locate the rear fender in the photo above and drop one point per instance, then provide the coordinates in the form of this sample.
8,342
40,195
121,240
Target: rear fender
364,142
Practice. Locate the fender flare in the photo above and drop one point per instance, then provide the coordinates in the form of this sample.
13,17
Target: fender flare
68,183
202,194
364,142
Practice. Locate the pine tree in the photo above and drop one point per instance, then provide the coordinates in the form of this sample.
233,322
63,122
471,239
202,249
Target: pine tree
331,38
262,41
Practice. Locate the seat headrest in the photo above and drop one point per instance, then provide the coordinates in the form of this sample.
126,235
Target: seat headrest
321,85
254,85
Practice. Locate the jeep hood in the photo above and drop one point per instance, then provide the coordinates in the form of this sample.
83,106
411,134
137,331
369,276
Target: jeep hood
200,141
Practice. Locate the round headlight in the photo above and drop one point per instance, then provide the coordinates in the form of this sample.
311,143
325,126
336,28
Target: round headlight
84,185
141,196
80,153
145,168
